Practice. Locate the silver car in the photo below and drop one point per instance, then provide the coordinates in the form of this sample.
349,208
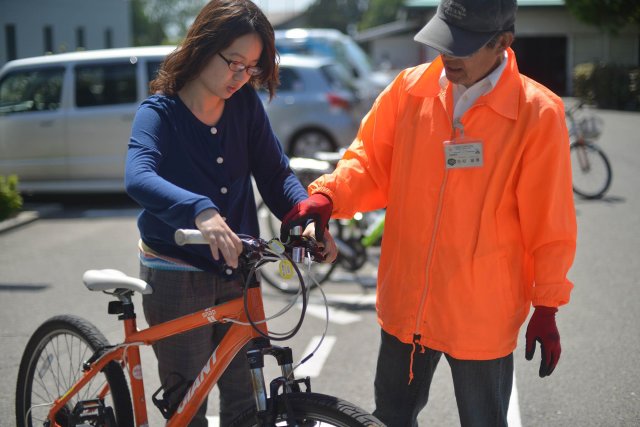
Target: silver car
316,107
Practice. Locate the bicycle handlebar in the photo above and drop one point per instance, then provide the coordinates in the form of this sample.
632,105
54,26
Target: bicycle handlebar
189,237
297,247
257,251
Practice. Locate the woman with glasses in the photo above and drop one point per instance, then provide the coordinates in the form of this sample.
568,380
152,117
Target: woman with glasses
195,143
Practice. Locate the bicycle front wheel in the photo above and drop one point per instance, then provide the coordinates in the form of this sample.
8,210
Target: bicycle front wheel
319,272
591,170
52,362
313,409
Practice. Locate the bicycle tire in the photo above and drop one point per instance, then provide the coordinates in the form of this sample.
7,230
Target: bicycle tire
591,170
52,361
311,409
321,272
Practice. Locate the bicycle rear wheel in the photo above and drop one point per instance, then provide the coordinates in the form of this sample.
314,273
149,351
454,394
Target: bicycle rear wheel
52,362
270,226
313,409
591,170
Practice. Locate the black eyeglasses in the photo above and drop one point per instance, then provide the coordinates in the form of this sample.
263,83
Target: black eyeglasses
236,66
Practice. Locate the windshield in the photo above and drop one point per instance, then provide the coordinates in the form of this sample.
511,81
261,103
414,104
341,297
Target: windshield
344,50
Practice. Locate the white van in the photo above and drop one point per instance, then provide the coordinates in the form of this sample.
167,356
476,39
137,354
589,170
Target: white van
65,119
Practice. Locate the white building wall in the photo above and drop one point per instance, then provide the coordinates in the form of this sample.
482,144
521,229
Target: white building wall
586,43
30,17
396,52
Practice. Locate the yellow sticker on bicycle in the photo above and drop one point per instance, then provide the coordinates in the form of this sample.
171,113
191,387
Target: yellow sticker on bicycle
286,269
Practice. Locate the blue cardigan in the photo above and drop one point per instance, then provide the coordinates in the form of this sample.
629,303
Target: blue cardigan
178,166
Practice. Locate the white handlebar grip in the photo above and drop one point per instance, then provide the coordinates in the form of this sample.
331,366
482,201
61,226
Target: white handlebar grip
189,237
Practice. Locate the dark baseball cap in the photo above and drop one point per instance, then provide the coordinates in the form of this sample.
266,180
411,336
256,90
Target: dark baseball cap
461,27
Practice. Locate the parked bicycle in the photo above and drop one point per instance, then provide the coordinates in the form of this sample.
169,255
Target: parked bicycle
590,166
71,376
355,238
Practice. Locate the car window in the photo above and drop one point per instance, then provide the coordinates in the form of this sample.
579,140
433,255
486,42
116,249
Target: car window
307,46
338,77
289,80
152,69
345,51
31,90
105,84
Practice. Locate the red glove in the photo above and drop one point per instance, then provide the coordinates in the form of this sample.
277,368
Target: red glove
542,328
316,208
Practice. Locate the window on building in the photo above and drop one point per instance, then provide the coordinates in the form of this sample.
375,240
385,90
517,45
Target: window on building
105,84
31,90
10,38
80,44
108,38
48,39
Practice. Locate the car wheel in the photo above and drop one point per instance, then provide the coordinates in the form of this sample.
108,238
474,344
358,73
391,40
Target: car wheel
307,143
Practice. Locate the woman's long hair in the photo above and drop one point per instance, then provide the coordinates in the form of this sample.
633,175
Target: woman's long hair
218,24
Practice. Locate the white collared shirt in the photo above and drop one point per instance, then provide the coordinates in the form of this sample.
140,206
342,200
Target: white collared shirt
463,97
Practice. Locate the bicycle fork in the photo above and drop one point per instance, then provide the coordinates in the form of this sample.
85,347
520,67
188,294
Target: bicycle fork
288,383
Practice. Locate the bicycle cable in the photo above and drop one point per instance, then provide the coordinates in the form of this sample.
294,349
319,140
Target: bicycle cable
252,273
326,323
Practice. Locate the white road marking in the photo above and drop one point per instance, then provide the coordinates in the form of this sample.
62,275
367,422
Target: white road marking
341,317
313,366
513,415
214,421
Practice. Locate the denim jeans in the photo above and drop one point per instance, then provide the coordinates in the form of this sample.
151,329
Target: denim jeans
482,387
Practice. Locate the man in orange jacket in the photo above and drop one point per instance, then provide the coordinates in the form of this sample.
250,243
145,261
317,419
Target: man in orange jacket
471,160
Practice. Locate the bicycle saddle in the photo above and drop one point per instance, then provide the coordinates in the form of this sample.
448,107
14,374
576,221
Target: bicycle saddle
109,279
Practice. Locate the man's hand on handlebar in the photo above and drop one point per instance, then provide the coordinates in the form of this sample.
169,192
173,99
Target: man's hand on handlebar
222,240
328,245
317,208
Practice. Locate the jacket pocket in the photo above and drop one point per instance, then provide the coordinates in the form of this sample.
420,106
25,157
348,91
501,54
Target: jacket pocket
494,284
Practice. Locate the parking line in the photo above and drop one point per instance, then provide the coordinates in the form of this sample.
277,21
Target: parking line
513,414
338,316
313,366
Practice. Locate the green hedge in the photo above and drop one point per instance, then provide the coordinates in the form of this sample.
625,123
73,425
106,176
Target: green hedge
10,199
608,86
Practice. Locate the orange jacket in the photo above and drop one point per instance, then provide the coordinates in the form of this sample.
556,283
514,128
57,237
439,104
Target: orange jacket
465,251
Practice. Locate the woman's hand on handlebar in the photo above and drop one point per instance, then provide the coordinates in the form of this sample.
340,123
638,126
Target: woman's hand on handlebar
222,240
328,245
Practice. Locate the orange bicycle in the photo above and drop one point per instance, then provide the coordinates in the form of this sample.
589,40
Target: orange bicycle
71,376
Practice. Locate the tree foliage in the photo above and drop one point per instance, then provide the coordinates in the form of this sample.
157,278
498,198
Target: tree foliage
343,15
145,31
163,21
380,12
610,15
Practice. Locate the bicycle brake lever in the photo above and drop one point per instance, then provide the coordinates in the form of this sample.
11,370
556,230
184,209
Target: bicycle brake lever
309,245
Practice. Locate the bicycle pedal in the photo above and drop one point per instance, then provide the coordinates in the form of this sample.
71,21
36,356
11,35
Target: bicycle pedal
91,413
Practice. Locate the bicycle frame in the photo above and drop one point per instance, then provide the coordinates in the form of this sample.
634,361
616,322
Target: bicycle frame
128,354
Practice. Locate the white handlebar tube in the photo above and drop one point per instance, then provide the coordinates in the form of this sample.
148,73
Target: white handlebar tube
189,237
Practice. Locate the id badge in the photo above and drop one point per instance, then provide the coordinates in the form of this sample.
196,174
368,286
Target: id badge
460,153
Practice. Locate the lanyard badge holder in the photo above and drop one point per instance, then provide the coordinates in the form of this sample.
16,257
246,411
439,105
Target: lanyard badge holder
463,152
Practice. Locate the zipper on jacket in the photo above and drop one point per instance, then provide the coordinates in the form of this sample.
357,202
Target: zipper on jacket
414,343
434,235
